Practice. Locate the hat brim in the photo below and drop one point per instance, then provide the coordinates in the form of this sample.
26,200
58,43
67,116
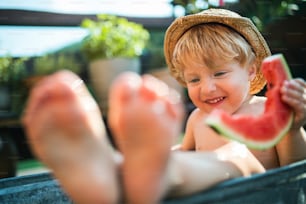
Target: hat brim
242,25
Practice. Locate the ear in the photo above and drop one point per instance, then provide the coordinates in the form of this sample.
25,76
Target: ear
252,72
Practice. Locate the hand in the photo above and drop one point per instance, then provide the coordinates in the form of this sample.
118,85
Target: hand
294,94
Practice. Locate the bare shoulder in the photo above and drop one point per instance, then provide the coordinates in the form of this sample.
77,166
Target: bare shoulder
196,114
195,117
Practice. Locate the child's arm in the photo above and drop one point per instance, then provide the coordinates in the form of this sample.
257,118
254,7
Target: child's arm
188,142
293,147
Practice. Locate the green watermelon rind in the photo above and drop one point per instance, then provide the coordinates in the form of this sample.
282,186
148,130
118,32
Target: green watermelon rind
215,122
226,131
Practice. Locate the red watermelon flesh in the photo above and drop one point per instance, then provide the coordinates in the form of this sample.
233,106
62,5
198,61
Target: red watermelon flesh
266,130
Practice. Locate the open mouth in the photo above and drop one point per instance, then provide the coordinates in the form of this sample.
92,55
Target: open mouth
215,100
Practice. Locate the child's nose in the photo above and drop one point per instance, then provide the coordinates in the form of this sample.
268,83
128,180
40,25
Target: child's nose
208,86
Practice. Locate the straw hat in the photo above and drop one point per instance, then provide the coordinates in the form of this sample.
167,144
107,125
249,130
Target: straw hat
242,25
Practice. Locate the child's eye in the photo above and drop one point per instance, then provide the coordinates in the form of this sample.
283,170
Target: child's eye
195,80
219,74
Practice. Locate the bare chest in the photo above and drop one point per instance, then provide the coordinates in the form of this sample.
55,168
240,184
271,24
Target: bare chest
206,139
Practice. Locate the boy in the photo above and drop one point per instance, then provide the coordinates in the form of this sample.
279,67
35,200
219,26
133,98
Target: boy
217,55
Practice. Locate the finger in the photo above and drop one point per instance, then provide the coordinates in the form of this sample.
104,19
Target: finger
301,82
294,88
298,84
293,102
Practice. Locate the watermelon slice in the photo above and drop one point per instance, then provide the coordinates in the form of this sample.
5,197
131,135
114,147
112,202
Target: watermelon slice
266,130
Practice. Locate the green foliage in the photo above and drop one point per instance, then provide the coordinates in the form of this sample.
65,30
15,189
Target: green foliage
264,12
12,70
49,64
111,36
12,73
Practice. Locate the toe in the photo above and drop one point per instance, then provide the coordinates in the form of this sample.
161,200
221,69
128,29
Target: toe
121,91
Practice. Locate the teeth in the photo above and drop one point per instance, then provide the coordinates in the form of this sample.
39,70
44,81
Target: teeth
216,100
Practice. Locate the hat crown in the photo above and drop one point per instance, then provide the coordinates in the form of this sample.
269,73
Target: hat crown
219,12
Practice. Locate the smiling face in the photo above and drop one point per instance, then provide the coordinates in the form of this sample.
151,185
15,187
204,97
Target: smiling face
225,87
217,65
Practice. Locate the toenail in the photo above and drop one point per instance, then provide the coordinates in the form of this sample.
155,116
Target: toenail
130,79
174,97
76,84
157,86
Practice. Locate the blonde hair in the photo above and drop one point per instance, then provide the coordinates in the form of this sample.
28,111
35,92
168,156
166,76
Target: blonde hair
204,43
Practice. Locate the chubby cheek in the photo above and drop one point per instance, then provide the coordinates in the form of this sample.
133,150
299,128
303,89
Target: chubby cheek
194,95
237,93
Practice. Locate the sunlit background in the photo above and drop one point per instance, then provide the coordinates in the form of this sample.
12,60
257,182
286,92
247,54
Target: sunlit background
18,41
139,8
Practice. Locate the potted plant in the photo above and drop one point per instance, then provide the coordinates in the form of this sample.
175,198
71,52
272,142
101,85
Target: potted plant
113,45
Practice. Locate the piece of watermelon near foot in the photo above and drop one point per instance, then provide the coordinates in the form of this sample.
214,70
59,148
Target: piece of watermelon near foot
266,130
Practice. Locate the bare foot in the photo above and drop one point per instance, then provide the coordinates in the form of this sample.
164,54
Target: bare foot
65,131
145,117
